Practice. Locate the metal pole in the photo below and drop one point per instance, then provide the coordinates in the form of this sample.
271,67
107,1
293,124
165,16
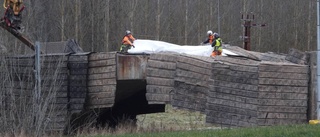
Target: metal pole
38,74
318,60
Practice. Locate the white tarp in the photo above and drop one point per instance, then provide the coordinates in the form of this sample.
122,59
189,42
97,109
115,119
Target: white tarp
152,46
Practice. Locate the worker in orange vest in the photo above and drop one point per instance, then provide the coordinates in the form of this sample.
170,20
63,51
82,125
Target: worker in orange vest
210,38
217,45
127,42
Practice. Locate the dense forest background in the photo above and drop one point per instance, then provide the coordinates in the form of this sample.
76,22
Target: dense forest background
99,25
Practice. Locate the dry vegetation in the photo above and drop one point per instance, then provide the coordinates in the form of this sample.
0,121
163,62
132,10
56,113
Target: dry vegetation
171,120
25,108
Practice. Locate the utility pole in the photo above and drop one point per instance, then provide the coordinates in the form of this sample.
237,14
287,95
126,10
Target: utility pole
248,18
318,59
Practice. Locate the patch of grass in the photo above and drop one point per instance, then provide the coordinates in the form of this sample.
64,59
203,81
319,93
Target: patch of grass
176,123
276,131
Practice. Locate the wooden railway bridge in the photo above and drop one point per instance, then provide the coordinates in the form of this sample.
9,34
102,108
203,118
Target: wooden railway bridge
251,89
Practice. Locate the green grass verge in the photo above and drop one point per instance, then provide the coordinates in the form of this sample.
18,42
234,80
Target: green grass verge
183,123
276,131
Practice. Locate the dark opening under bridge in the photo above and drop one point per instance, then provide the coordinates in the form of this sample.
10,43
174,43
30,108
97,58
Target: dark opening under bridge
251,89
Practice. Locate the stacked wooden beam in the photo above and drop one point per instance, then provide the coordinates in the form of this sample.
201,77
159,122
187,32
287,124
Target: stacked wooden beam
78,68
54,76
312,93
160,78
17,86
191,82
283,93
102,80
50,103
297,57
233,97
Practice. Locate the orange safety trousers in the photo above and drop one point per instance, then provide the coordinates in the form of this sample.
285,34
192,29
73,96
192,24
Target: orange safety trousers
215,53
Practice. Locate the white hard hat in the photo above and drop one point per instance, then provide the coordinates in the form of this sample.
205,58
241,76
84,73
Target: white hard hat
128,32
209,32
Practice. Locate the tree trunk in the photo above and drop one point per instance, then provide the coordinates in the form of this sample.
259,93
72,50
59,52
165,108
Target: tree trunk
107,26
77,18
62,12
92,25
158,21
186,25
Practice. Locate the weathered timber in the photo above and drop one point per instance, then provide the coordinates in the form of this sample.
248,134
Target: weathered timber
189,89
100,103
278,121
101,63
240,86
164,57
284,75
238,61
63,100
227,72
101,95
99,70
285,96
103,88
194,62
242,99
101,82
229,122
231,103
200,58
192,74
190,67
189,105
79,58
159,89
77,83
312,90
233,91
165,98
280,88
79,72
99,56
107,75
283,109
283,68
76,77
233,79
82,93
230,119
77,65
160,73
228,109
284,82
161,64
253,69
277,102
297,56
281,115
77,101
192,81
76,108
160,81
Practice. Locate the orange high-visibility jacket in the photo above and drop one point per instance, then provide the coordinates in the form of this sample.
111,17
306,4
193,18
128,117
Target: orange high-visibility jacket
128,40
